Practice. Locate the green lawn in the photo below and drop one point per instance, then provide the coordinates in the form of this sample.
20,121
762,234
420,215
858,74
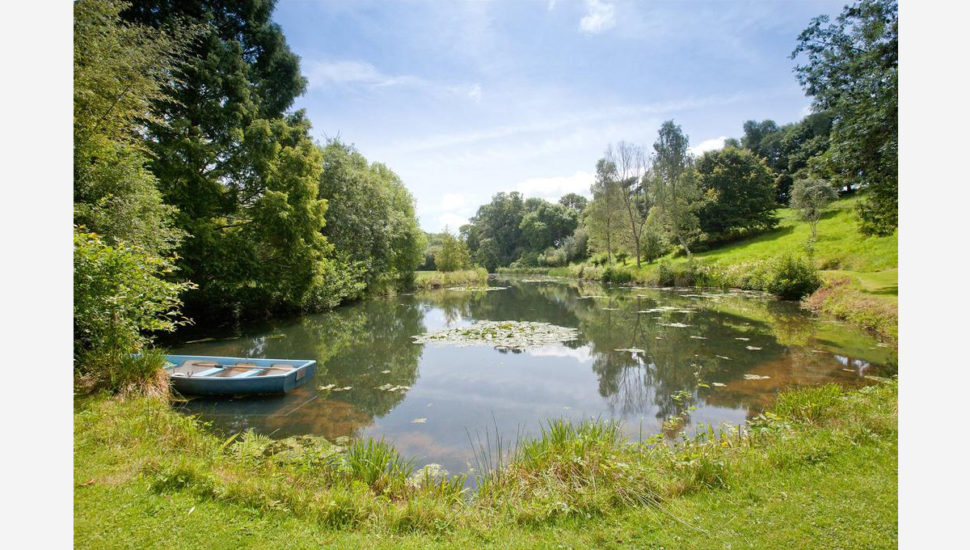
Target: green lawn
821,473
838,246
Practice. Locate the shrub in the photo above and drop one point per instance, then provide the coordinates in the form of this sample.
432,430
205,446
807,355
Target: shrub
120,295
618,275
665,274
792,277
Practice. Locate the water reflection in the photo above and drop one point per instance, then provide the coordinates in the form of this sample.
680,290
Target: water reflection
640,352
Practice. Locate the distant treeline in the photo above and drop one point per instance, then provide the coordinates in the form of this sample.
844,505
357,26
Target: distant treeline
648,204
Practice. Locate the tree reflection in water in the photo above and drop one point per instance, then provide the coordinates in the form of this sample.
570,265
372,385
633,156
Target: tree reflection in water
640,352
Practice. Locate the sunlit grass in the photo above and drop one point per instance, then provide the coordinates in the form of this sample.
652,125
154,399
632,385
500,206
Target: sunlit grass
141,469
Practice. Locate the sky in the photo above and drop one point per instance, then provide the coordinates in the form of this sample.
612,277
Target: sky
466,99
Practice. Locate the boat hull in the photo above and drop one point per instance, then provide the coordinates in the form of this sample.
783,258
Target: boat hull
213,385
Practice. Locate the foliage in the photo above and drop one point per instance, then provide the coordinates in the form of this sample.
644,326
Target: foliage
851,68
120,69
792,277
548,225
123,233
443,279
810,198
454,254
371,221
121,292
242,173
787,150
653,244
575,201
740,190
603,217
674,187
494,235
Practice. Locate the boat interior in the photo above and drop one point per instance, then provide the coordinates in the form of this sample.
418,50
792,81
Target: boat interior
195,367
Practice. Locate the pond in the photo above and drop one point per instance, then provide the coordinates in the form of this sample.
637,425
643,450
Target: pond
635,355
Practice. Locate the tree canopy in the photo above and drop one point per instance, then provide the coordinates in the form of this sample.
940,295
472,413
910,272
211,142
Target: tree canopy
851,69
740,190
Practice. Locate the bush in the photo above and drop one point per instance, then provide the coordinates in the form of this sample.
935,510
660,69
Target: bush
120,295
665,274
792,277
618,275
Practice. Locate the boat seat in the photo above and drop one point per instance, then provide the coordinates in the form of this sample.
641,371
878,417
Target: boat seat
209,372
248,373
195,367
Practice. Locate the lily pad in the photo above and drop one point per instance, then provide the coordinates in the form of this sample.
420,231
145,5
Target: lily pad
419,421
742,339
631,350
513,335
723,357
676,325
753,348
755,377
698,337
718,384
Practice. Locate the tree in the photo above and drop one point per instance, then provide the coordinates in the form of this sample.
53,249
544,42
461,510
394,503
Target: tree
242,172
371,221
454,254
119,71
123,233
547,224
630,169
603,216
851,69
497,236
675,187
575,201
810,198
740,190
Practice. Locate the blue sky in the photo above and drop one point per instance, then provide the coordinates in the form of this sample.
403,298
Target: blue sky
466,99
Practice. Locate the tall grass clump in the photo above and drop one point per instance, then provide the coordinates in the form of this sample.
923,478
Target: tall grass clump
569,470
377,463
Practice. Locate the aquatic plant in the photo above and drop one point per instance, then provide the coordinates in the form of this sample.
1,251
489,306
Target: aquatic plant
513,335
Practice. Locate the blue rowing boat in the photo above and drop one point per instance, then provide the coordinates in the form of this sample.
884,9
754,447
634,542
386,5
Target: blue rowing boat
206,375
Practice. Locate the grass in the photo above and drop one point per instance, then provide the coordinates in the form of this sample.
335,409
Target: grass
820,470
425,280
860,273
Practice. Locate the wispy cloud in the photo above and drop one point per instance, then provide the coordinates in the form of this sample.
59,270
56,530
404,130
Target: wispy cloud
599,17
621,113
321,74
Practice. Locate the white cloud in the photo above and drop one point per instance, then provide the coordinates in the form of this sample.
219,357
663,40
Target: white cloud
599,17
451,221
323,73
712,144
454,201
551,5
552,188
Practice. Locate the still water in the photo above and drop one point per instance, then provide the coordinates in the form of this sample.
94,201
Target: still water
733,351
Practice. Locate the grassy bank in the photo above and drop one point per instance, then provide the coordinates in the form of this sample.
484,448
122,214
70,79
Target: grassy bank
426,280
859,273
821,468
